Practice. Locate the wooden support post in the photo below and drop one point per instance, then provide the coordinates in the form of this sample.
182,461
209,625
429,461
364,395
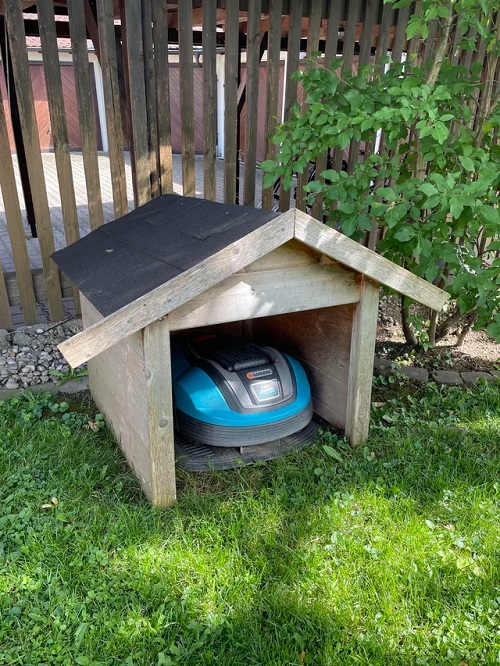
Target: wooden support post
185,10
160,412
364,331
210,98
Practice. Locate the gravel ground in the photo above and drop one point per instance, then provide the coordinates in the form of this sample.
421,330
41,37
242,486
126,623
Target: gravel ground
29,355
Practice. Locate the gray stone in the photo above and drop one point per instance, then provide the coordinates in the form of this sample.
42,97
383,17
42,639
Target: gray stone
447,377
3,360
22,339
495,373
472,377
383,364
4,339
416,374
11,384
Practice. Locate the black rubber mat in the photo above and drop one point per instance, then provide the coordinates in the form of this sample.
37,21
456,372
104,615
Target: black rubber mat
195,457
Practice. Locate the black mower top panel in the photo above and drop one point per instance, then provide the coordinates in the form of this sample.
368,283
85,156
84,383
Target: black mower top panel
127,258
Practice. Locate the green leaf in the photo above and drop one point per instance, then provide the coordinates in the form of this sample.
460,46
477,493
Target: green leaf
446,117
440,132
413,26
386,193
430,524
267,165
467,163
428,189
405,233
490,214
333,453
456,207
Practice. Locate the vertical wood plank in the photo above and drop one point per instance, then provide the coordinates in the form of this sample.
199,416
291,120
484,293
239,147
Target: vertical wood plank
252,100
312,45
161,412
209,99
135,58
150,86
331,47
273,66
364,332
348,54
384,34
86,116
59,129
399,42
231,75
109,66
292,65
185,12
22,78
160,45
5,315
15,225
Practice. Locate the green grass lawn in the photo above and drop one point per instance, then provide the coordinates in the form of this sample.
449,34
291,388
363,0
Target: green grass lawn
385,555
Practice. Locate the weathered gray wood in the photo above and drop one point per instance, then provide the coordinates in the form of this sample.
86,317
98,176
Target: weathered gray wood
88,129
160,45
185,13
109,65
399,42
135,58
5,314
158,373
291,84
24,91
383,38
252,100
269,292
59,130
231,75
15,226
312,45
177,291
352,254
150,87
210,99
273,67
364,332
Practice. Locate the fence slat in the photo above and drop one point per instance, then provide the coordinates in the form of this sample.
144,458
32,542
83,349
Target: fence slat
22,78
312,45
273,68
353,7
185,13
86,116
209,99
252,100
134,55
231,74
59,129
5,315
150,85
112,105
160,45
399,42
15,225
384,35
335,9
292,65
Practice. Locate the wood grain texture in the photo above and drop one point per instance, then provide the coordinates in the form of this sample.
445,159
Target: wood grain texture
160,46
15,226
291,254
88,129
150,87
158,373
118,388
231,76
273,68
20,67
266,293
109,66
364,333
252,99
179,290
5,314
209,99
290,83
352,254
185,13
320,340
353,10
135,67
59,129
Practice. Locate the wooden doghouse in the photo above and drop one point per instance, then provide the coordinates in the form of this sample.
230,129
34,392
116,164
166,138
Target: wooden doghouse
180,263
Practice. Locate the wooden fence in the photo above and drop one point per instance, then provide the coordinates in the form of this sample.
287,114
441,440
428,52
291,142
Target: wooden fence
133,40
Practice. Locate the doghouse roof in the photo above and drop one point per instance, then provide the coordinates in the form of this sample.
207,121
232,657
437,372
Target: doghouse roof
161,255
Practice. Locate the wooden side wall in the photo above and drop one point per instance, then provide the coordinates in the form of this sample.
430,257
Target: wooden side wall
117,381
321,341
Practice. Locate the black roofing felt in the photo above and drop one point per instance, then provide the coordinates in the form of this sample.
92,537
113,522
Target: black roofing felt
127,258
